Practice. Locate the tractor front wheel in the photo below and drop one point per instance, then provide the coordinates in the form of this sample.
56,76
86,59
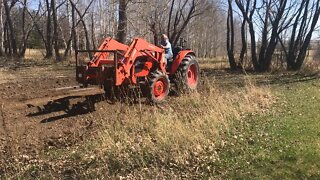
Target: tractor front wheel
159,86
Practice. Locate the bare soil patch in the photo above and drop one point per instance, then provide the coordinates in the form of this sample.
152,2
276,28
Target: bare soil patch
35,116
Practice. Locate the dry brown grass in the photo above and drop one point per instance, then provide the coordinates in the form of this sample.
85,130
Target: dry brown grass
5,77
310,67
214,63
34,54
37,54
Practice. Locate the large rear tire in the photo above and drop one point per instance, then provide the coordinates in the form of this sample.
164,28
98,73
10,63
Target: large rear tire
159,85
187,76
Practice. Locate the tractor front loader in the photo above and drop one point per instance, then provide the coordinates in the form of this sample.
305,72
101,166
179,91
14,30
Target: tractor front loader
139,66
100,69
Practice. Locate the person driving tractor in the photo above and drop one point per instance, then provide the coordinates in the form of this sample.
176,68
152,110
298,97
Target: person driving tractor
166,45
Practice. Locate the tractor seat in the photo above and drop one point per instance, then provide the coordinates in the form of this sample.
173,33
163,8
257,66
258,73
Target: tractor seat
176,51
169,64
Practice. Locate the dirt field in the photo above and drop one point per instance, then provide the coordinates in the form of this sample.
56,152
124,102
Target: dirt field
33,118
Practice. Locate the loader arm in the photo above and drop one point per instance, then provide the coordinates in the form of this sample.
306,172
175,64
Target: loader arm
101,58
139,47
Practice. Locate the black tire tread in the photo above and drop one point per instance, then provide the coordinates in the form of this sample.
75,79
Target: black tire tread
181,75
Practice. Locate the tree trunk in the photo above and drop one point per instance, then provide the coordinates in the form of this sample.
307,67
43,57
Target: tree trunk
10,29
55,30
23,45
264,40
230,37
74,30
170,17
244,42
1,28
93,38
49,49
253,46
154,33
122,26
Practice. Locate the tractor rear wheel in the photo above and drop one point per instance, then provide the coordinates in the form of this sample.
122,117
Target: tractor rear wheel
187,75
159,85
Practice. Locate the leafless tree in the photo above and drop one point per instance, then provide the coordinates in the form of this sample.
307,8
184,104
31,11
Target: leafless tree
303,27
55,30
11,43
270,15
75,23
1,28
230,37
180,15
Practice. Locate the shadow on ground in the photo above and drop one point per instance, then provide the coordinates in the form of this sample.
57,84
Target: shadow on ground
233,78
78,105
71,105
288,79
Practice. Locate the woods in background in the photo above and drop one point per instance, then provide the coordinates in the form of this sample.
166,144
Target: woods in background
56,25
249,32
274,26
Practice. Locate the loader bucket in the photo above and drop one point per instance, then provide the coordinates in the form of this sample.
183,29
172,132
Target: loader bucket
87,74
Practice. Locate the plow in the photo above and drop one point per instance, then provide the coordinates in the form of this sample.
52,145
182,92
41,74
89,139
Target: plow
139,68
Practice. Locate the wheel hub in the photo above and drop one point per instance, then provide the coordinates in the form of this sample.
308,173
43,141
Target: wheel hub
160,88
192,76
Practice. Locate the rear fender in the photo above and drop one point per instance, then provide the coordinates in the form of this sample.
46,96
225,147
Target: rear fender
177,61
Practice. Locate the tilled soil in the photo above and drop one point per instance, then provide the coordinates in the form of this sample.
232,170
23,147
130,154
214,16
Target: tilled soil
35,114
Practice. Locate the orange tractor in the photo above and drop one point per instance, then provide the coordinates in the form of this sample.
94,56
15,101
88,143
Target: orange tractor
119,68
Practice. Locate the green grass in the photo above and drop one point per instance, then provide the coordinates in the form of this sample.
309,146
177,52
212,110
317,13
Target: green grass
282,145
